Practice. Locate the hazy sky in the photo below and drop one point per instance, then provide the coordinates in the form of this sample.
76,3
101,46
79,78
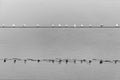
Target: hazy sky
46,12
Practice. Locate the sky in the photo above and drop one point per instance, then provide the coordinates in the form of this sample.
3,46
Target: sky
47,12
62,43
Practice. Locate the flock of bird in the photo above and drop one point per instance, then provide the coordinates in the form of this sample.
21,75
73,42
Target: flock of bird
59,26
59,60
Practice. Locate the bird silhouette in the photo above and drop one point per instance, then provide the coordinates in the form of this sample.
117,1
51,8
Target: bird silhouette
60,61
101,62
89,61
14,61
5,60
108,61
38,60
74,61
115,61
53,61
25,61
66,61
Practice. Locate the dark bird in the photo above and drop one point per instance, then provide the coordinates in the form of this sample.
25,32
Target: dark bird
5,60
89,61
108,61
74,61
38,60
50,60
83,60
59,61
101,61
14,61
66,61
25,61
53,61
115,61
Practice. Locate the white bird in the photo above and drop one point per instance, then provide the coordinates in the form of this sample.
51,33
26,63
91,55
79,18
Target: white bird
116,25
90,25
66,25
24,24
59,24
81,25
74,25
3,24
53,25
13,24
37,25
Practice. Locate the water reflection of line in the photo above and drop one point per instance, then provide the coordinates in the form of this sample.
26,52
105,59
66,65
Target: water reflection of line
60,60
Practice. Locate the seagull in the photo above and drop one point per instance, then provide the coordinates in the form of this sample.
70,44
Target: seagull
74,25
3,24
81,25
66,25
24,24
37,25
13,24
59,24
90,25
52,25
116,25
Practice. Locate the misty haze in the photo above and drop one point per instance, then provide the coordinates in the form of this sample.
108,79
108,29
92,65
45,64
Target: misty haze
28,46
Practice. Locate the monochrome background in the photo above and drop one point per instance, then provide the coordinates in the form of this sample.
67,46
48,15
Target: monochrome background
61,43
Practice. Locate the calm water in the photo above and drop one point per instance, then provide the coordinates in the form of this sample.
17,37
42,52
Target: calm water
64,43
